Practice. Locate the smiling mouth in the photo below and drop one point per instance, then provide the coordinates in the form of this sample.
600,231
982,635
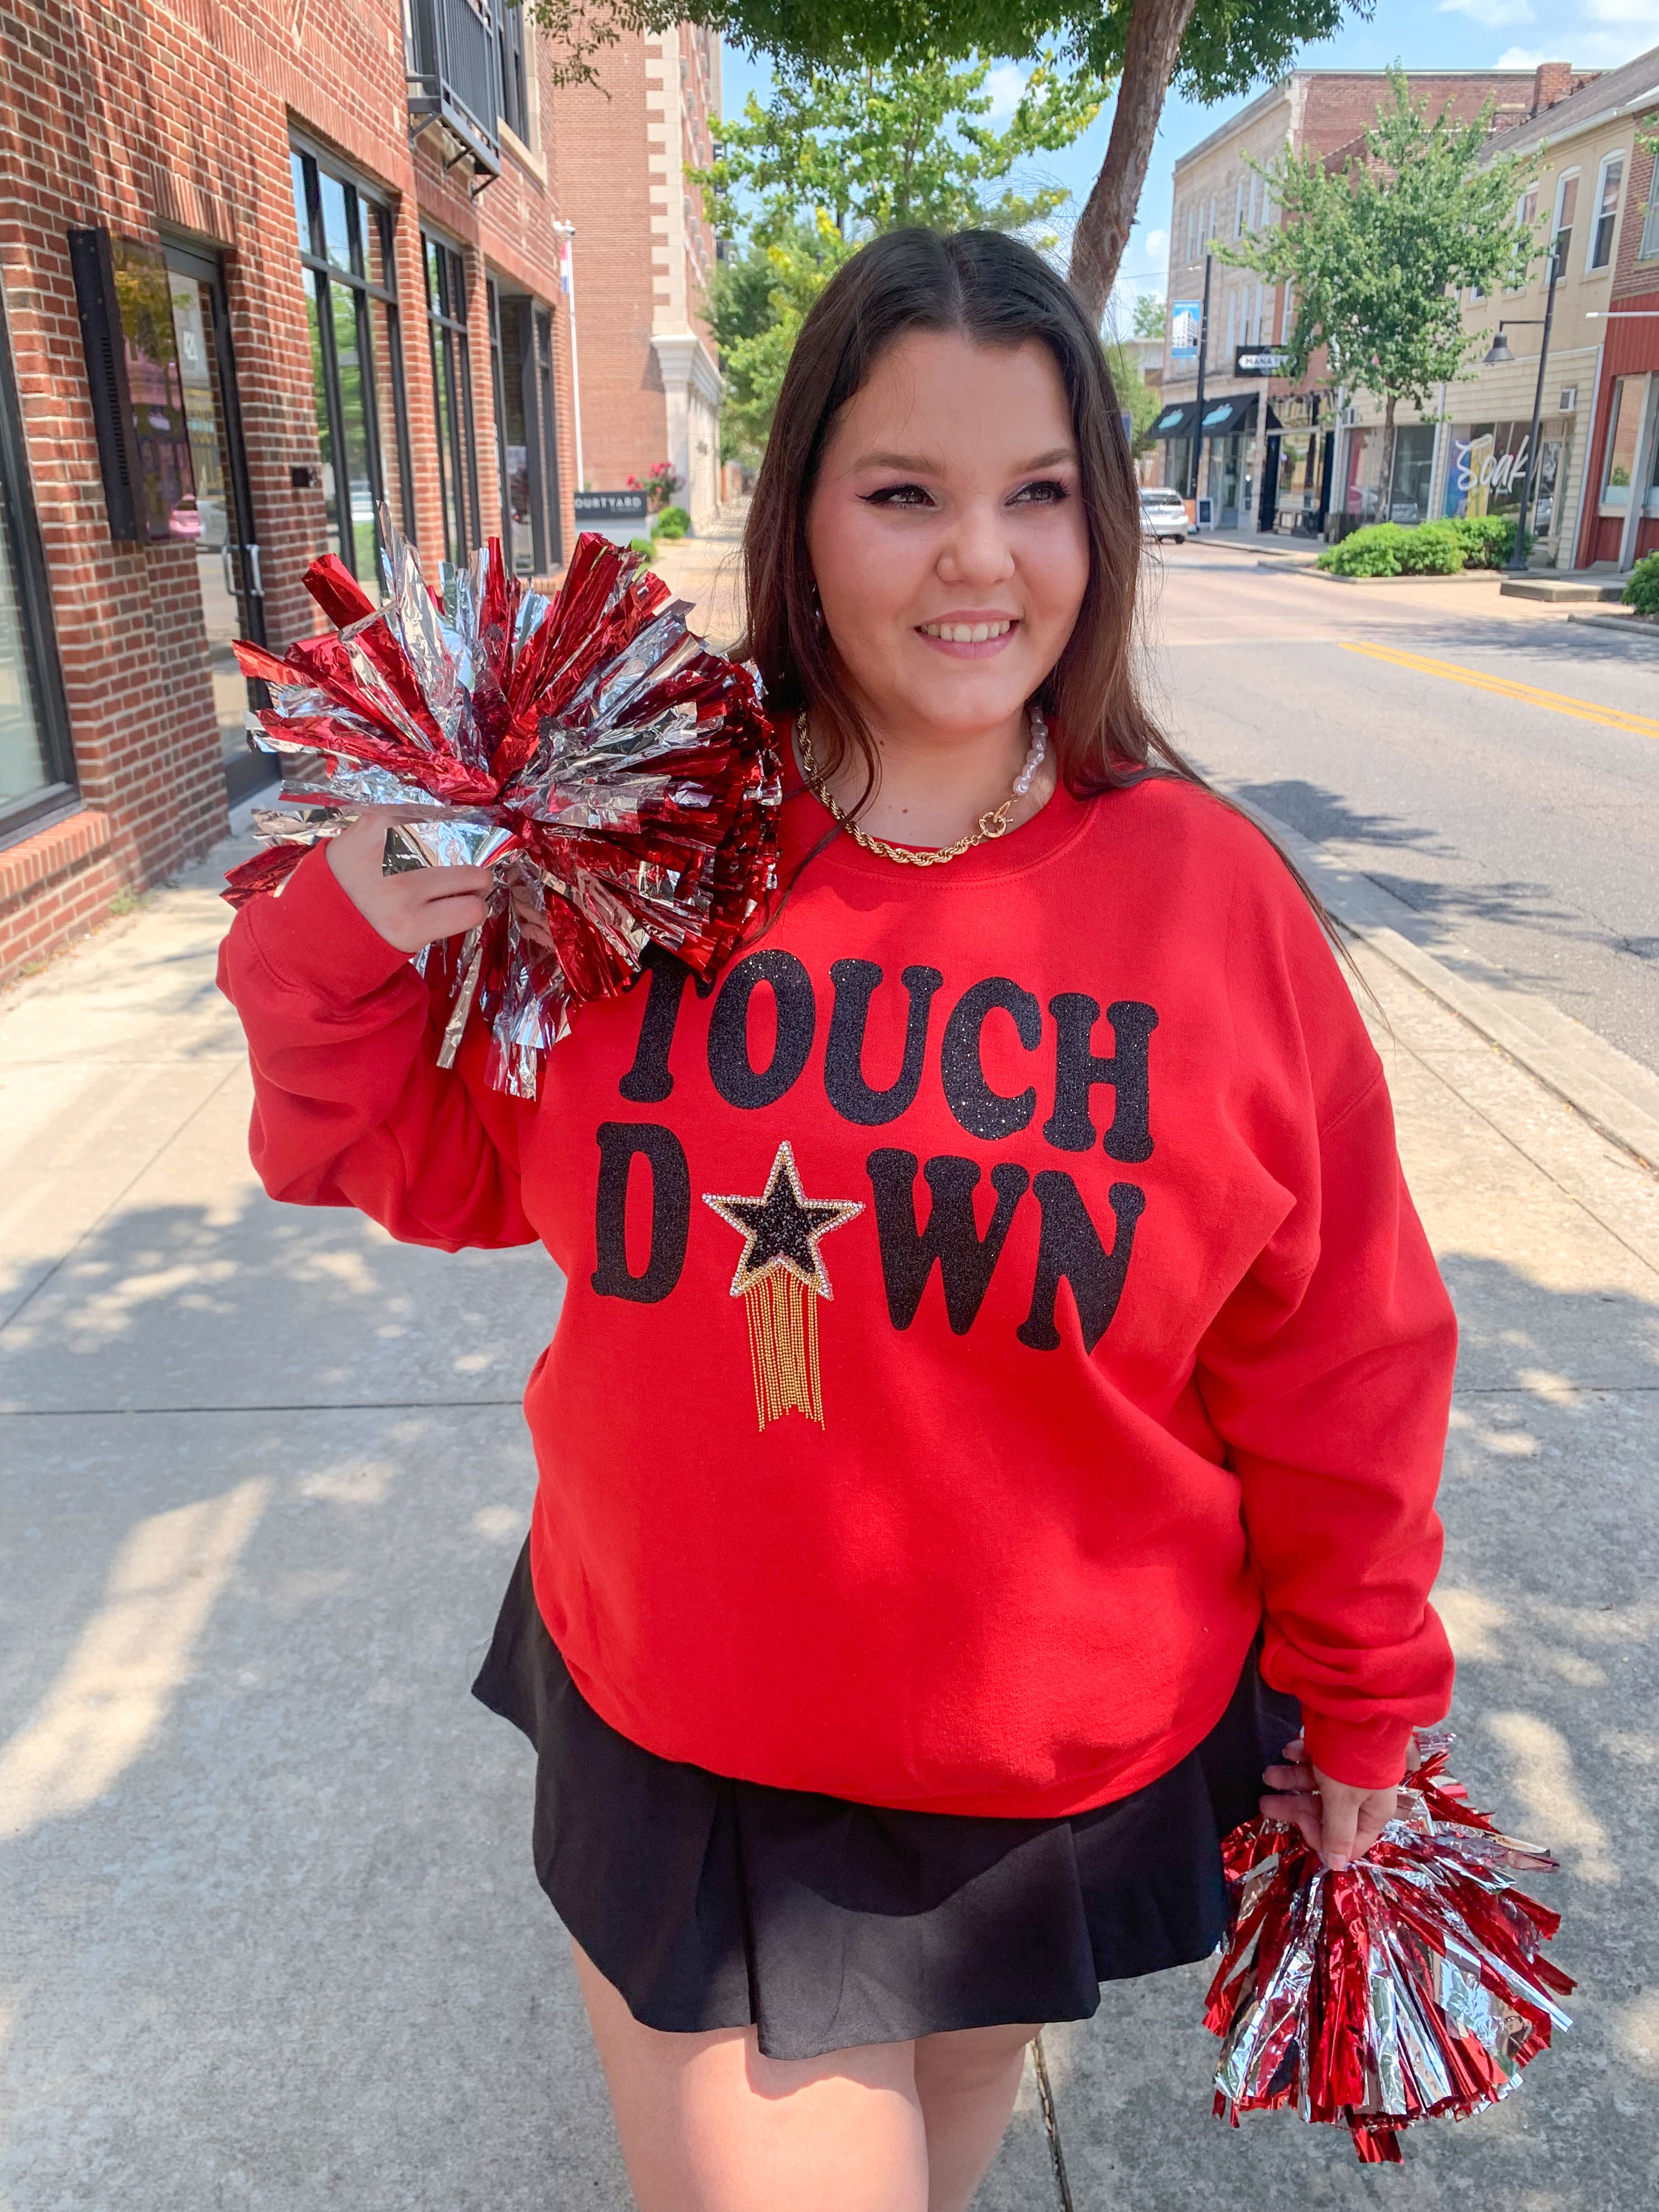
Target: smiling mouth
982,633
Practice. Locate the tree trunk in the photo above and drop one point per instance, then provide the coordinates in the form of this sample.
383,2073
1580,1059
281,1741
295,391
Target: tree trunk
1386,488
1156,30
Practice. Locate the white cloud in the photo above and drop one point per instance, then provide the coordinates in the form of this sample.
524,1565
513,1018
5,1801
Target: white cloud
1494,13
1005,84
1522,57
1155,248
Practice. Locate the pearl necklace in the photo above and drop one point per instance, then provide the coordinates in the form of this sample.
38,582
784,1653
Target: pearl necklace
993,823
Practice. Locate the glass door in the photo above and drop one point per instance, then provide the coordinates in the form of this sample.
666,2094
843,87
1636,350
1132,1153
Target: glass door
227,551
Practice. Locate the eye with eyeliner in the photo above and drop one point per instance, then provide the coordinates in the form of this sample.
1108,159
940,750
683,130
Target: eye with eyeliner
899,494
1044,491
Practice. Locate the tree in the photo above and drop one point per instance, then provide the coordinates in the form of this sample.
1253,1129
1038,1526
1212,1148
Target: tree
835,156
1152,315
872,147
1134,396
1379,253
1211,49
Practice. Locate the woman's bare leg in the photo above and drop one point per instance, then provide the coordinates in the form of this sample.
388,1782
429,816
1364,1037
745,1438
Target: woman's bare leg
966,2083
707,2124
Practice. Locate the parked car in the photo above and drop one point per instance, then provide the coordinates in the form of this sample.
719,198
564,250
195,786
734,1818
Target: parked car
1163,513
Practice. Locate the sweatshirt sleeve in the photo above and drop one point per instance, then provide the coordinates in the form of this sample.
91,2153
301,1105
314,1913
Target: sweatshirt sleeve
1328,1374
349,1105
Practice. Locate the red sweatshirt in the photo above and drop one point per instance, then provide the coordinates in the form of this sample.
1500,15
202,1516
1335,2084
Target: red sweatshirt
981,1306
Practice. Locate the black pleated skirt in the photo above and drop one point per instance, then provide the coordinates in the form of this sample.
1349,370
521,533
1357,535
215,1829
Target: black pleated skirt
711,1903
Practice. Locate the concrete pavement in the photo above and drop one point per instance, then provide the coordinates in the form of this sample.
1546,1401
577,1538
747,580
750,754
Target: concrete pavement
272,1936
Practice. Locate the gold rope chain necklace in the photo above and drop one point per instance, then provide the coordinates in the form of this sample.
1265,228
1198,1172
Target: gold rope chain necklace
993,823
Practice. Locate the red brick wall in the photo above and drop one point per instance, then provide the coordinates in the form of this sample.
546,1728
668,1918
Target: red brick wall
141,115
1341,108
603,186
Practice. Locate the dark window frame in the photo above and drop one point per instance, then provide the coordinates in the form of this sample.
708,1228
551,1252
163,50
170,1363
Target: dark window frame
21,817
444,268
529,327
357,282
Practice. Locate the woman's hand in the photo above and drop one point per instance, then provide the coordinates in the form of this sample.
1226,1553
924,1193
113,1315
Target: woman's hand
1337,1820
412,908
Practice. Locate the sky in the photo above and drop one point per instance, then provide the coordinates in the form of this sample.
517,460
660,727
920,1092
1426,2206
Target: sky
1421,34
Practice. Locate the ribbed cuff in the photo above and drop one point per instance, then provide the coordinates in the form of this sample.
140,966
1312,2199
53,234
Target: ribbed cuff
311,937
1367,1754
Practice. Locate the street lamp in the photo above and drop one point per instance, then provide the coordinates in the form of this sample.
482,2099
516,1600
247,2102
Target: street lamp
1500,357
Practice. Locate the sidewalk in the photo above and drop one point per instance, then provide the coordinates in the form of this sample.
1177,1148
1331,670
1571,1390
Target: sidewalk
273,1939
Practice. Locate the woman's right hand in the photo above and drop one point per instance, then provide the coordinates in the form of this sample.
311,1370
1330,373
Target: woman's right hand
410,908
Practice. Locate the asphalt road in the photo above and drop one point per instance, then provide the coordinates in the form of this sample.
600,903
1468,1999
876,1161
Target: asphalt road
1524,830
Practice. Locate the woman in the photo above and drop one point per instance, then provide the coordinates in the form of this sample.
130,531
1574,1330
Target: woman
1001,1373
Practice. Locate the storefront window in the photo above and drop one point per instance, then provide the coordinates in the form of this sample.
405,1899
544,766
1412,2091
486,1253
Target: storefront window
1487,467
356,357
1364,458
35,768
1624,430
522,365
1414,465
452,396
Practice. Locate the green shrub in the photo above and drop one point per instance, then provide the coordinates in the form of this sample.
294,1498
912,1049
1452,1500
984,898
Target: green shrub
1374,551
1431,549
1642,592
645,547
672,522
1488,540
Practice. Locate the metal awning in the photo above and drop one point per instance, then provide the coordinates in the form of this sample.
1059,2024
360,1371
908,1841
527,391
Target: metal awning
1175,422
1223,417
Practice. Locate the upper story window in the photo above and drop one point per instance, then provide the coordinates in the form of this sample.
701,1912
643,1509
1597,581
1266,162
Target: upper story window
1606,217
1648,248
515,73
1566,210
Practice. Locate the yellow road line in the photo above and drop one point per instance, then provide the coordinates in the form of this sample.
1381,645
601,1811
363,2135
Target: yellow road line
1612,718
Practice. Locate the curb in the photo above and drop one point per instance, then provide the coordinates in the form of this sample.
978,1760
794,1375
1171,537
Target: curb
1615,1094
1632,625
1455,576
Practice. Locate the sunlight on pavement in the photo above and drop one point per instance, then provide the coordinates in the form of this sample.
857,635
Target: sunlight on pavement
1540,1762
1530,695
1638,2031
117,1687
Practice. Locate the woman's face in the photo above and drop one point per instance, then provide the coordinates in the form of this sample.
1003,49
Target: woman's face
946,532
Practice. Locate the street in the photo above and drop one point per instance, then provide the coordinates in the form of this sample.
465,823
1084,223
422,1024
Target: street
273,1936
1520,829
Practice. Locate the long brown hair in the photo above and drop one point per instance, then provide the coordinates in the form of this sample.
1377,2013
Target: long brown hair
994,291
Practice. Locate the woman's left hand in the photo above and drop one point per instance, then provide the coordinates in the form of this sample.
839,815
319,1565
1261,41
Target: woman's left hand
1338,1820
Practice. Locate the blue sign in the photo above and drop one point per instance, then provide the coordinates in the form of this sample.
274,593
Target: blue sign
1186,319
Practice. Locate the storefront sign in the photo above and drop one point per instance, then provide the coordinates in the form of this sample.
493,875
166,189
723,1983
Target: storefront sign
1186,317
1260,361
596,509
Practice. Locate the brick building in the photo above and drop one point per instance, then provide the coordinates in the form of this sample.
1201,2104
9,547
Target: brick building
1264,451
262,266
650,386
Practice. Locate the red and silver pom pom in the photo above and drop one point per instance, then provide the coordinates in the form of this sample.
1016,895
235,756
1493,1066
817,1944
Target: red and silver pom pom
618,775
1410,1984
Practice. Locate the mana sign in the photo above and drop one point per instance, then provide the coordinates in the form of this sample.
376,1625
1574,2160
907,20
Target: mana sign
1260,361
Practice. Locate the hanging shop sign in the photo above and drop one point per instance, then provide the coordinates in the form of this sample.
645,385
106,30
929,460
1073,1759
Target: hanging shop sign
1260,361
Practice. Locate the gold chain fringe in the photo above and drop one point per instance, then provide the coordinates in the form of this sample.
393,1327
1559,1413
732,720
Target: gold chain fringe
783,1347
